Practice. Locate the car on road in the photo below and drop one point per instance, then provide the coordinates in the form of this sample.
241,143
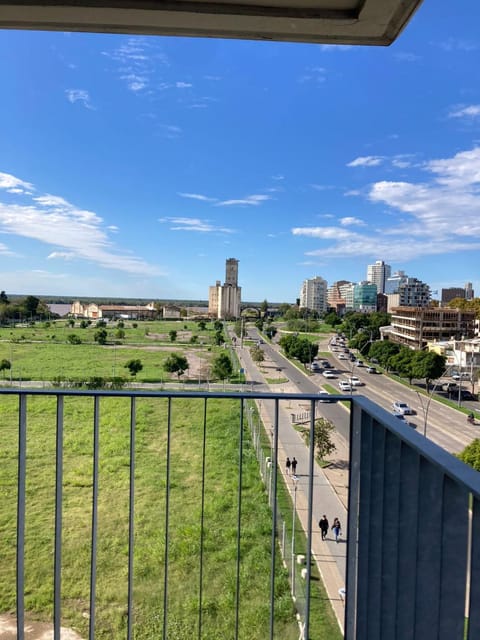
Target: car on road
359,363
324,396
328,374
460,376
402,408
401,417
342,356
374,361
315,366
371,370
355,381
326,365
344,385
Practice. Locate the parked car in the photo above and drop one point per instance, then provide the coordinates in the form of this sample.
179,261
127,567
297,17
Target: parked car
402,408
374,360
342,356
344,385
359,363
371,370
460,376
401,417
355,381
328,373
315,366
326,365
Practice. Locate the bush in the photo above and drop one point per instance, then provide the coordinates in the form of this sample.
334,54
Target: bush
73,339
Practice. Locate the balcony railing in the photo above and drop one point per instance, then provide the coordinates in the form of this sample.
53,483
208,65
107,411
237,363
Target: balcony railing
413,563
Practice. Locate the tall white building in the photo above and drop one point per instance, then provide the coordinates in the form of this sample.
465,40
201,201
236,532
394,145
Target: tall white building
392,283
313,294
224,300
378,273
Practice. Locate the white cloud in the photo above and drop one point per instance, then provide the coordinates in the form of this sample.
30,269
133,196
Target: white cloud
278,177
14,185
471,111
315,75
406,56
458,44
438,215
65,255
253,200
74,232
351,221
336,47
79,95
193,224
197,196
183,85
366,161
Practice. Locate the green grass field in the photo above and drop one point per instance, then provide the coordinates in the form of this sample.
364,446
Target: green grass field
220,520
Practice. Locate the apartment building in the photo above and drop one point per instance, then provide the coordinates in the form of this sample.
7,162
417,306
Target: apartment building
335,299
378,273
416,326
465,293
313,294
365,297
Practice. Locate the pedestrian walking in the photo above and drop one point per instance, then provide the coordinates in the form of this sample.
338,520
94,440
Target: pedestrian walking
337,528
294,466
323,524
287,466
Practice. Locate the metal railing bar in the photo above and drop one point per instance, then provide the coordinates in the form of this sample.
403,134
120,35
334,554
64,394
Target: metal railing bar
131,518
20,560
239,524
93,555
57,582
273,470
474,577
202,521
311,468
167,519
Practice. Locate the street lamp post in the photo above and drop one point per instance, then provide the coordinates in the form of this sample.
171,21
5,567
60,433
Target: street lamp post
294,513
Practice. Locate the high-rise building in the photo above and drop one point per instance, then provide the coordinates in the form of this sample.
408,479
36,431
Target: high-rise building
393,282
224,300
449,294
414,293
365,297
335,299
469,292
313,294
378,273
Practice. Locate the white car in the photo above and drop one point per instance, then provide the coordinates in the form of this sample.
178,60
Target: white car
356,382
328,374
344,385
342,356
402,408
324,396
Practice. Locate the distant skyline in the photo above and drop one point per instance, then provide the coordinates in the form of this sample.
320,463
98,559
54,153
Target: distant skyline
134,166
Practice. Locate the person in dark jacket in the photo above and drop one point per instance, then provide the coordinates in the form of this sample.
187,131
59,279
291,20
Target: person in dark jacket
336,528
294,466
323,524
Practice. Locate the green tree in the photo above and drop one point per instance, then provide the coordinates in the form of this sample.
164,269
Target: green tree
134,366
173,335
271,331
257,354
120,334
101,323
264,307
83,324
176,364
222,367
332,319
72,338
101,336
194,339
4,298
218,338
323,438
402,363
471,454
202,325
120,324
428,365
218,325
5,365
71,322
382,350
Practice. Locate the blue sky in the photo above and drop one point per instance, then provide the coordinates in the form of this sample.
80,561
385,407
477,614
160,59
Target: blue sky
134,166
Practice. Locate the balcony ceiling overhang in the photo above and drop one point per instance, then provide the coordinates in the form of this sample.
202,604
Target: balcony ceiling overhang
367,22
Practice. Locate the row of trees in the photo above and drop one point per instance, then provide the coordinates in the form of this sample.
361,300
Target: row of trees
28,309
299,347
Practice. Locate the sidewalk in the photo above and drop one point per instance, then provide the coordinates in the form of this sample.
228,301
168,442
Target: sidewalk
330,489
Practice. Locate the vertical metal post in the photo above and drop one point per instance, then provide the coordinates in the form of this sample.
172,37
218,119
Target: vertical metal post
283,538
273,476
57,580
167,521
131,518
202,520
309,515
93,554
22,447
239,524
294,514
